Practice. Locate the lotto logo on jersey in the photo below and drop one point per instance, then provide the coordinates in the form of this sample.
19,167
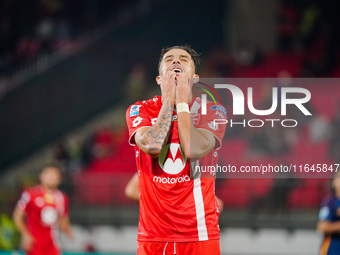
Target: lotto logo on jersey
134,110
137,121
49,199
172,160
212,125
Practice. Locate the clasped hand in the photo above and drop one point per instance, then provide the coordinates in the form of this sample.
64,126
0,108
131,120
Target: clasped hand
175,88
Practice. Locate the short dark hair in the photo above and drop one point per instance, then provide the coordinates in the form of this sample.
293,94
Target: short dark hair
194,54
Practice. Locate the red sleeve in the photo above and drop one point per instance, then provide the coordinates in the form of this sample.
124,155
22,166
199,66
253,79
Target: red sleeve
66,206
206,122
24,201
136,118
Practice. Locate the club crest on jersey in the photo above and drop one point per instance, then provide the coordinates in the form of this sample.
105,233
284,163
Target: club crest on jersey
49,199
134,110
172,159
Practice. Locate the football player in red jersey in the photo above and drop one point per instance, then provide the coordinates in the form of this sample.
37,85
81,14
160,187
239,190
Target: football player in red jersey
39,213
178,209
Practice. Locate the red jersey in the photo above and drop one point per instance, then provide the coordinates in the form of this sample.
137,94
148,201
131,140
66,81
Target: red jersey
173,206
43,211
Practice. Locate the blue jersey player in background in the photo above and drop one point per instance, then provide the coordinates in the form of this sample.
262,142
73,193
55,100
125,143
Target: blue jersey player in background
329,220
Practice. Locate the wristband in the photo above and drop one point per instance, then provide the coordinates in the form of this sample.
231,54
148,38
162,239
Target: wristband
182,107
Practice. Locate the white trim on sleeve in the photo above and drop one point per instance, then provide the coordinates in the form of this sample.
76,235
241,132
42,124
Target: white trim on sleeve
133,144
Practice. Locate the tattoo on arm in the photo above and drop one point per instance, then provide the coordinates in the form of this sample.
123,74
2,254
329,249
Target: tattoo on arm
156,136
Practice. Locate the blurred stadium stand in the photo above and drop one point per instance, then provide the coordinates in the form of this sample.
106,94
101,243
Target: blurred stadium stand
66,99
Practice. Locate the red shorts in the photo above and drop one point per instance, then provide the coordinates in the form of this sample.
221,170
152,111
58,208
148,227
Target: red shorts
211,247
44,251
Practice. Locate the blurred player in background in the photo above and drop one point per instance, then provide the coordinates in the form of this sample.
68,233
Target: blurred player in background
178,209
329,220
39,213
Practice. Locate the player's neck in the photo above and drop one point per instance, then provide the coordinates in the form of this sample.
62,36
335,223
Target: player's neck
47,189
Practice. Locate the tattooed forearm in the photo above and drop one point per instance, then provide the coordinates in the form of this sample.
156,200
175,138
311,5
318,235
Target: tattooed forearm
156,136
